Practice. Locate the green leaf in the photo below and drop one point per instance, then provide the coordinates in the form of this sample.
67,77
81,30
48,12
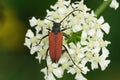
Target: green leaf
74,37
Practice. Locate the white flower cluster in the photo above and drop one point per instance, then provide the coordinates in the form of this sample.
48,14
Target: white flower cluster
90,48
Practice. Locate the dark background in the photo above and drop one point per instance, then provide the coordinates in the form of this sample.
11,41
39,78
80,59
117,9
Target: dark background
16,63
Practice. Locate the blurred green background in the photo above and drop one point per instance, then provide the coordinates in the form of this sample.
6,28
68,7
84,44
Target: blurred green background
16,63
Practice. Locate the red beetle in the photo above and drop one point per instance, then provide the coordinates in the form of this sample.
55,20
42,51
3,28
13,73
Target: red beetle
55,41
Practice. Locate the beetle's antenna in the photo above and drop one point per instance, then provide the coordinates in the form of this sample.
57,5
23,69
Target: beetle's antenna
50,20
69,14
72,59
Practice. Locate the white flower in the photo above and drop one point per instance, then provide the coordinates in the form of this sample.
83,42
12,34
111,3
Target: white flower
101,60
80,6
33,22
114,4
84,41
30,41
49,76
52,69
104,26
78,72
95,28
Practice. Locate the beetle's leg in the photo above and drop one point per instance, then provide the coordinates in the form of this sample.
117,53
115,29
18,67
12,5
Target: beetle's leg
46,59
66,36
41,39
48,29
65,29
71,58
44,36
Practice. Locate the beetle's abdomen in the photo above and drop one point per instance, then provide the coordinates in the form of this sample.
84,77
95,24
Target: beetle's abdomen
55,46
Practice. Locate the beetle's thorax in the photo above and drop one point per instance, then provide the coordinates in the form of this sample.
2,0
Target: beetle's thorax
56,27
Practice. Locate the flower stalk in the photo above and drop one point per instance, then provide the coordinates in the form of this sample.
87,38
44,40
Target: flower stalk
102,7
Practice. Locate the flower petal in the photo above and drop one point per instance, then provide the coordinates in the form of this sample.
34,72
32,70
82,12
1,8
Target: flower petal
27,42
99,33
94,65
100,20
29,33
114,4
106,27
50,77
84,34
105,53
33,50
58,72
80,77
33,22
104,64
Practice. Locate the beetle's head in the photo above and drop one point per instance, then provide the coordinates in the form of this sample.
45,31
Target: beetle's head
56,27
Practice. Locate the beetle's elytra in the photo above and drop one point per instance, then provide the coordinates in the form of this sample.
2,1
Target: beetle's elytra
55,46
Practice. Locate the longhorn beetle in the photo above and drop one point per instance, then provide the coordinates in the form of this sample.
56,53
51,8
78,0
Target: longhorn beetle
55,41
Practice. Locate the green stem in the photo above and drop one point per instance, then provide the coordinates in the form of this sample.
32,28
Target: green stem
102,7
